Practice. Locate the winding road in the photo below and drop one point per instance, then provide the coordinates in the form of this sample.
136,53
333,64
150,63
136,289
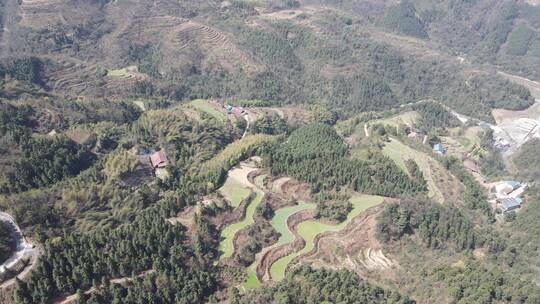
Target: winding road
24,250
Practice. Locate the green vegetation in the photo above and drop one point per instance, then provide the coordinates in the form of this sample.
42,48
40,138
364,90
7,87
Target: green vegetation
527,160
227,235
474,195
234,192
279,224
308,230
27,69
260,234
206,107
316,154
332,206
434,115
149,242
124,72
475,283
435,225
87,196
279,221
214,171
270,125
44,162
401,153
341,286
490,158
15,121
519,40
403,19
406,118
527,219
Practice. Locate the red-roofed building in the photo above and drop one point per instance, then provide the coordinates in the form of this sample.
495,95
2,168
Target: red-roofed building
238,112
159,159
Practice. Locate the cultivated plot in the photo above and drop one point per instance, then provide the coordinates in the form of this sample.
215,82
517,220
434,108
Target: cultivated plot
308,230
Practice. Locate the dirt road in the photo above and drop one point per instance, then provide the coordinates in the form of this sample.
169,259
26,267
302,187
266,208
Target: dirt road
23,248
246,117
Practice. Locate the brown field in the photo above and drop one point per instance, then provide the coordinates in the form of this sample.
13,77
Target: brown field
355,248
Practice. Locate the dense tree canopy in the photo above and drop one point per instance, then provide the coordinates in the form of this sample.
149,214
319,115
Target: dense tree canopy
46,161
316,154
305,285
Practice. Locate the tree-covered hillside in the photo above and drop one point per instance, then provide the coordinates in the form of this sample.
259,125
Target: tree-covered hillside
322,52
281,151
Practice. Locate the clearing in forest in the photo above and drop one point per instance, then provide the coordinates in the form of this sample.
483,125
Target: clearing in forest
400,152
234,192
407,118
308,230
461,144
127,72
208,108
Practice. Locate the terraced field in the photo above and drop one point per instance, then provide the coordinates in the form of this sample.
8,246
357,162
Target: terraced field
308,230
295,224
227,235
279,222
234,192
193,34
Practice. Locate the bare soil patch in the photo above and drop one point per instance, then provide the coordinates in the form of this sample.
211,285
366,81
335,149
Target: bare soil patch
240,174
297,190
356,248
287,188
448,185
224,219
295,117
276,184
186,218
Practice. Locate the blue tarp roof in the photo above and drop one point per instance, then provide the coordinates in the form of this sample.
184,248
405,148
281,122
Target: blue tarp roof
514,184
438,147
511,203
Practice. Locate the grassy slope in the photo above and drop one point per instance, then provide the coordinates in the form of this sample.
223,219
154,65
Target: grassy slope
406,118
399,152
205,106
234,192
118,73
310,229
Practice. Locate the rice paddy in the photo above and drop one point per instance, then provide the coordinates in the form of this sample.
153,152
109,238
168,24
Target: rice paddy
279,223
310,229
227,235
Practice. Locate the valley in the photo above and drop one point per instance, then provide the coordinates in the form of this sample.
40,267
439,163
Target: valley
281,151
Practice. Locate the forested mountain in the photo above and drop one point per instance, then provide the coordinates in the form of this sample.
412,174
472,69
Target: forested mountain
281,151
280,51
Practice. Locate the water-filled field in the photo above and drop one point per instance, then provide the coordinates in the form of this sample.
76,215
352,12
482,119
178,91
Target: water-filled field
310,229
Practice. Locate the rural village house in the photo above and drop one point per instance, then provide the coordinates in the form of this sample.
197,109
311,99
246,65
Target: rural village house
159,159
